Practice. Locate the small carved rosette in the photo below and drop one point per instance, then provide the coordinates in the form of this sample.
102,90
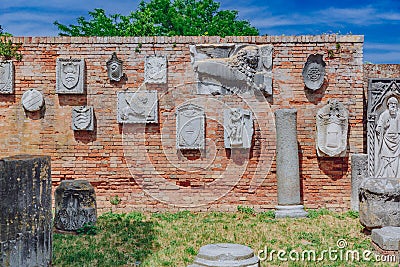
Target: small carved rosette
314,72
332,127
6,77
190,130
114,68
155,69
82,118
137,107
238,128
70,76
32,100
75,202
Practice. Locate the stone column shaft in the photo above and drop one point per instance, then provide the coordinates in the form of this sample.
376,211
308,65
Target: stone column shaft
287,164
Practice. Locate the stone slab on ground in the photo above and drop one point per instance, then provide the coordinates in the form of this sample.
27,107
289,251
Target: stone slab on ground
387,238
226,255
290,211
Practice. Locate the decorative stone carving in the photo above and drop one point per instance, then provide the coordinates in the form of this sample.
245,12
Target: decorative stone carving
229,68
314,72
226,254
190,130
25,211
75,205
137,107
114,68
332,126
383,124
82,118
238,128
70,76
6,77
380,202
32,100
155,69
359,172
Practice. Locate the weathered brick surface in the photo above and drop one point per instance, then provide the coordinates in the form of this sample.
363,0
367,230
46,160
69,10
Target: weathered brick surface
120,160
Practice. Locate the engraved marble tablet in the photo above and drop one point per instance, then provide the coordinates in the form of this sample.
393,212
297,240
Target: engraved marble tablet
238,128
190,130
70,76
155,69
32,100
114,68
82,118
314,72
6,77
332,127
137,107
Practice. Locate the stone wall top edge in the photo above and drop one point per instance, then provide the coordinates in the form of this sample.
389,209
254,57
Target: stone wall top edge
324,38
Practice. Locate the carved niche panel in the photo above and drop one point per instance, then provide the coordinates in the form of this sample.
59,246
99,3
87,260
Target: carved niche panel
137,107
155,69
6,77
82,118
32,100
314,72
383,128
238,128
70,76
230,68
114,68
190,120
332,128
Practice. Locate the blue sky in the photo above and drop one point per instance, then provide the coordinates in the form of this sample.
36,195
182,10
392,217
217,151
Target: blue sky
378,21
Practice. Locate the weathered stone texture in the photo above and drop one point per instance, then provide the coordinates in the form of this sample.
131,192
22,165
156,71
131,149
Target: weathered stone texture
25,211
387,238
380,202
226,255
359,172
75,205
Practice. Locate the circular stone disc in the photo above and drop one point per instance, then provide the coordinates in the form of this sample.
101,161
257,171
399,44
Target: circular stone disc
226,255
32,100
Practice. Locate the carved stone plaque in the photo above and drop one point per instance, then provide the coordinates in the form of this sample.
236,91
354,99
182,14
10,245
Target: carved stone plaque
82,118
155,69
32,100
332,127
70,76
238,128
383,128
114,68
190,130
137,107
314,72
75,205
230,68
6,77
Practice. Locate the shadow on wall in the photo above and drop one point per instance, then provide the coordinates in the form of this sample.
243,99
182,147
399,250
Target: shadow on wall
316,96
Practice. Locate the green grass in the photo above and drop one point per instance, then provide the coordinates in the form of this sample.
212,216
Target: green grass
173,239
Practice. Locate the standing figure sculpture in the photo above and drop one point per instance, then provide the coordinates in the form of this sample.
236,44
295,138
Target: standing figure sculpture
388,137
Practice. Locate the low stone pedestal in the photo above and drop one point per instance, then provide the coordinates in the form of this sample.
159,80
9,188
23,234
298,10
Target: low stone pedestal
75,205
25,211
379,202
387,238
291,211
226,255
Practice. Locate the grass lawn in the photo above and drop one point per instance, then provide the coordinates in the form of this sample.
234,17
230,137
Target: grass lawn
173,239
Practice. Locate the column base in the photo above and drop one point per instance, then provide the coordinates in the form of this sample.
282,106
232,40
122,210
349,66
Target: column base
290,211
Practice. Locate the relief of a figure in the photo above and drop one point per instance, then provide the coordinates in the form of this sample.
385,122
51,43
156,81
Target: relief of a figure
388,141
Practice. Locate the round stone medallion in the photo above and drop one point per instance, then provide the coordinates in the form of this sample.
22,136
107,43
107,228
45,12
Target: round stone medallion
32,100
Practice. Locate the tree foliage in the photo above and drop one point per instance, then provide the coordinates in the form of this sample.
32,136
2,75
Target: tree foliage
163,18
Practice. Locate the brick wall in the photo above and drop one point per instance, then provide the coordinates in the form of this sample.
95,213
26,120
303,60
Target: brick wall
125,159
